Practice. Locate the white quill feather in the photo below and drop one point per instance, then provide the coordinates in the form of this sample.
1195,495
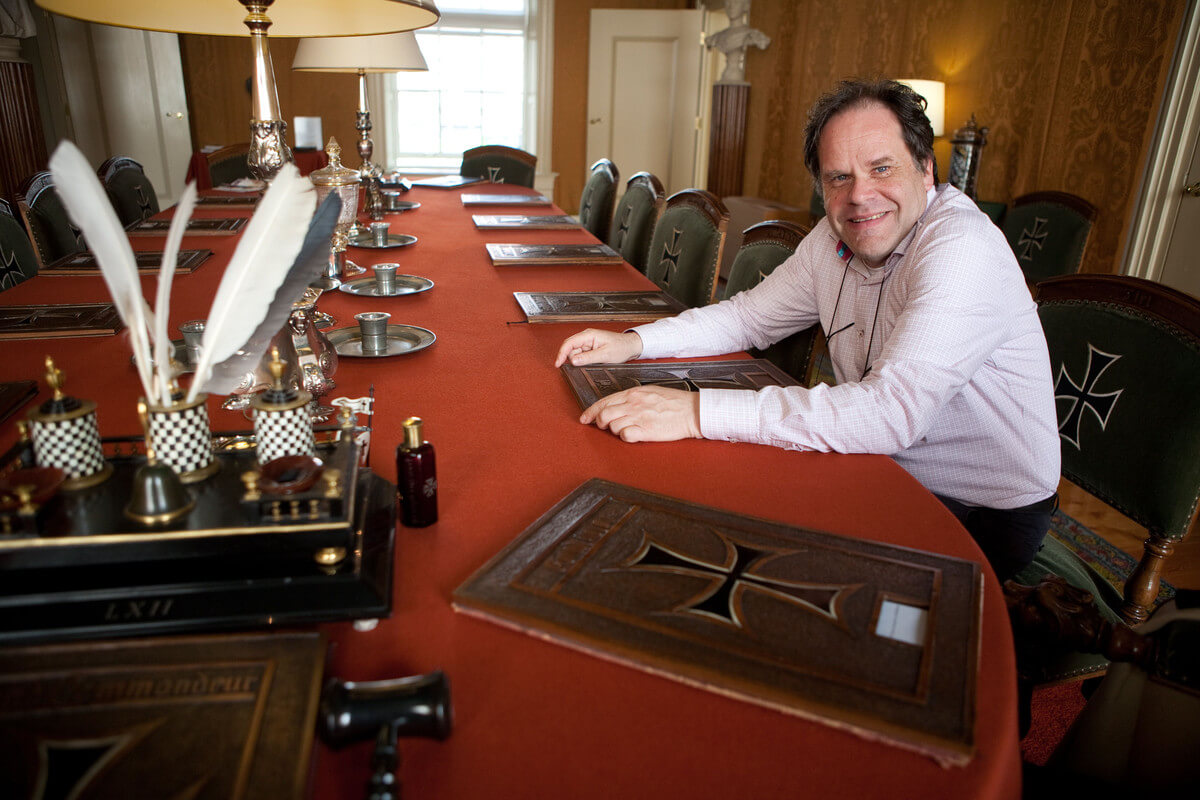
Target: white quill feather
260,263
163,348
92,211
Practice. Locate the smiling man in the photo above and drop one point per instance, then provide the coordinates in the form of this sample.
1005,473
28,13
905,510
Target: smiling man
939,356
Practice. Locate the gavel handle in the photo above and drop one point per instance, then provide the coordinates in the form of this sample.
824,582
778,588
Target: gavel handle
385,765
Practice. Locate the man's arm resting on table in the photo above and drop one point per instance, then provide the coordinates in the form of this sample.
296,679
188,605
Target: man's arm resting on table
641,414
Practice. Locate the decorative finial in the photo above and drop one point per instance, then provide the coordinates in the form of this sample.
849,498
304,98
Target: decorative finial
55,378
334,151
276,366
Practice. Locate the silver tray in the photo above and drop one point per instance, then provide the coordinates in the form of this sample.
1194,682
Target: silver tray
394,240
405,284
402,340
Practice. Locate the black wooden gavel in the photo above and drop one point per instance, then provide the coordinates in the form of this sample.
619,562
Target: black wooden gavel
418,705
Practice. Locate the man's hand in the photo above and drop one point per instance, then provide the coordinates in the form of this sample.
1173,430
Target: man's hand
647,414
599,347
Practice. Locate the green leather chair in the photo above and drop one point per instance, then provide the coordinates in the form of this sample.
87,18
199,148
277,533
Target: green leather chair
228,164
635,217
1048,232
765,246
685,251
50,229
129,189
17,260
596,202
1125,357
499,164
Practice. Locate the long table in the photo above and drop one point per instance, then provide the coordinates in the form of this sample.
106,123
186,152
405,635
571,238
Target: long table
534,719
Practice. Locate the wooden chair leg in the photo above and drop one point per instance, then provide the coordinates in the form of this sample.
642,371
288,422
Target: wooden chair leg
1142,587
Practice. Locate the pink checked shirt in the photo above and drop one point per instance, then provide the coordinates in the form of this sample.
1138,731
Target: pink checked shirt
959,390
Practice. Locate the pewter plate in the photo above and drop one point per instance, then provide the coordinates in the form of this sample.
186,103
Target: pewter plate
394,240
180,355
394,206
405,284
402,340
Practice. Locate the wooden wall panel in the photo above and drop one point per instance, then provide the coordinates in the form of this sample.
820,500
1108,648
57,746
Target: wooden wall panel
1069,88
22,146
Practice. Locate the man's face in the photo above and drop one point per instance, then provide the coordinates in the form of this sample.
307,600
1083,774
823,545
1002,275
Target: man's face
873,191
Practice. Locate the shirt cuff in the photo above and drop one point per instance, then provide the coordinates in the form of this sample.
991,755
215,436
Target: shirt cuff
729,414
654,341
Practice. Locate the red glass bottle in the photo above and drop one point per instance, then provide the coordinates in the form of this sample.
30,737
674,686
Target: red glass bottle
416,477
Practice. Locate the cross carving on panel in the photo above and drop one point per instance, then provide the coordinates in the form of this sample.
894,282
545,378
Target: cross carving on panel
739,573
494,175
1032,238
585,213
670,255
1082,395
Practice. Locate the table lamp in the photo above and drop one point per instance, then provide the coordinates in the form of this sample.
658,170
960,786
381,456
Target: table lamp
396,52
290,18
934,93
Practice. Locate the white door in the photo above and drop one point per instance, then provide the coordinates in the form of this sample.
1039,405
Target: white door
644,92
1180,269
126,97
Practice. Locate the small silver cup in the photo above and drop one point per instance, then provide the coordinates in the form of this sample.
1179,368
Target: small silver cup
385,278
372,325
193,333
379,233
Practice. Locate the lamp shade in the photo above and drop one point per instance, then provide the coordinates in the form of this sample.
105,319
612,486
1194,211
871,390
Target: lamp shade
392,52
934,93
289,18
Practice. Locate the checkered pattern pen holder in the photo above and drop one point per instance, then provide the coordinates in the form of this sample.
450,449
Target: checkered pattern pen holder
70,440
283,428
182,438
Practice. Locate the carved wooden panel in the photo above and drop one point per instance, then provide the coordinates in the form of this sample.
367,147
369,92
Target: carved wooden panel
199,717
59,321
597,306
594,381
727,143
195,227
148,262
878,639
22,143
512,254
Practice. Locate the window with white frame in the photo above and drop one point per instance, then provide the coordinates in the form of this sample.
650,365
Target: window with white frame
481,87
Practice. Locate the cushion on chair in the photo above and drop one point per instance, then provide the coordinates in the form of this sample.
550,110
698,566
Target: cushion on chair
50,228
1129,422
130,190
17,260
1048,232
500,164
685,251
634,219
596,202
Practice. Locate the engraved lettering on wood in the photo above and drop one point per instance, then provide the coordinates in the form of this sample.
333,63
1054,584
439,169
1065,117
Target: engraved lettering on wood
130,610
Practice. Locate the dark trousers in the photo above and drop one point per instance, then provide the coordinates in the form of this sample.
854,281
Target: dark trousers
1009,537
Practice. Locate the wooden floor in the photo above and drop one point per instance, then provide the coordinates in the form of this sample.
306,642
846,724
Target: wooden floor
1183,566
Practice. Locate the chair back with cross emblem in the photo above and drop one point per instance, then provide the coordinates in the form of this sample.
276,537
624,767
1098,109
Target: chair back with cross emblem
50,229
499,164
228,164
1125,360
17,260
685,251
764,247
1048,232
129,189
596,202
633,221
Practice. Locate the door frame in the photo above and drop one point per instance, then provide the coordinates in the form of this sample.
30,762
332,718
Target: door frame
1170,157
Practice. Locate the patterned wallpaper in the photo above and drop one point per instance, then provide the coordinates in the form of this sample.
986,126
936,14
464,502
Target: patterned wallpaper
1069,89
